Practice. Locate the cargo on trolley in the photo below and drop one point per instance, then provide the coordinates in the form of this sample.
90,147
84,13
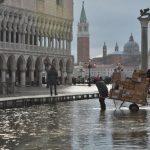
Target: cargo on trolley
133,90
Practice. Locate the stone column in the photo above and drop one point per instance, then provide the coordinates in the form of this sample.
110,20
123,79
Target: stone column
44,40
70,45
13,76
3,76
4,35
69,76
28,37
19,37
3,81
49,42
14,40
23,38
23,81
9,36
40,37
40,78
59,43
36,38
66,44
56,43
63,44
62,77
31,76
144,42
33,39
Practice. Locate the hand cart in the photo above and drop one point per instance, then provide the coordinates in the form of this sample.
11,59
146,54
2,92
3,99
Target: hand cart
133,90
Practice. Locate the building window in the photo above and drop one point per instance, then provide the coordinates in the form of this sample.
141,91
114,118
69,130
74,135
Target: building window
59,2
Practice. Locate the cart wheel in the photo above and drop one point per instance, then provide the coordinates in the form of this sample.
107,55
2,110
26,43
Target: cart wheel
134,107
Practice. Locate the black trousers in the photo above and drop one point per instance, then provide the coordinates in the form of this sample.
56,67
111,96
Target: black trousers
51,88
102,102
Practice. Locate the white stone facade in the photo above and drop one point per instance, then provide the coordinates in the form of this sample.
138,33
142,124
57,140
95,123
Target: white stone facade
33,35
102,71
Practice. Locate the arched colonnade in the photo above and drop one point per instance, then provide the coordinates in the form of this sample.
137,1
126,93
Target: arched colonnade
23,69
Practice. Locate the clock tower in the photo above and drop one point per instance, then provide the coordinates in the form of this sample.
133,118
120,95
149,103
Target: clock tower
83,55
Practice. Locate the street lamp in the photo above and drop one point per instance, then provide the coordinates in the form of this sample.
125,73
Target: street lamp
89,66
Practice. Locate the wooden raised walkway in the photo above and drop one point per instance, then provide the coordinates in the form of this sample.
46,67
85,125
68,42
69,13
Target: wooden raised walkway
26,101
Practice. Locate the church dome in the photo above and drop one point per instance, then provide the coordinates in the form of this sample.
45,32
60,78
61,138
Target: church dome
131,47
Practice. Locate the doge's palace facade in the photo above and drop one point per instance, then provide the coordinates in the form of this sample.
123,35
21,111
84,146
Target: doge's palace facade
33,35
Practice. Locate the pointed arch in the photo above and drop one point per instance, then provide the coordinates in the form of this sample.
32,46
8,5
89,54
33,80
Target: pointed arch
11,62
61,71
29,71
11,66
38,69
30,63
38,63
47,63
21,66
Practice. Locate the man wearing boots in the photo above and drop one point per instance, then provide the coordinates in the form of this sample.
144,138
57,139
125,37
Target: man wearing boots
52,79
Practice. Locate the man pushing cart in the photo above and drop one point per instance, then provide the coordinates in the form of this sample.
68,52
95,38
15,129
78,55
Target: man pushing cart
133,90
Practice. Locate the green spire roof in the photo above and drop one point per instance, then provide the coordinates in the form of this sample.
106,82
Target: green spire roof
83,15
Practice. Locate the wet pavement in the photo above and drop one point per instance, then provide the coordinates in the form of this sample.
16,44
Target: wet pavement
61,89
76,125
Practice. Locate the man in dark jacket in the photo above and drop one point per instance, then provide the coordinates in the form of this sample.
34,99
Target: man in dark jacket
52,79
103,93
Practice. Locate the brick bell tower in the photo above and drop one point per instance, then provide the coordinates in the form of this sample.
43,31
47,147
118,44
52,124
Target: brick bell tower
83,39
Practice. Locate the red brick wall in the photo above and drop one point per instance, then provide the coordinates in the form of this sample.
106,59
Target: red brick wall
82,49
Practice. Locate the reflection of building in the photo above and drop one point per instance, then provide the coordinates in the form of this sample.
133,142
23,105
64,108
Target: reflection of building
35,34
130,56
130,130
83,39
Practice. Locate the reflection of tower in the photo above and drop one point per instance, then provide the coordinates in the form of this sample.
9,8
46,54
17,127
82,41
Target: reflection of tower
83,38
104,50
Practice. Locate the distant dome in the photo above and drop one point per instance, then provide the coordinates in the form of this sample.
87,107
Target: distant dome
131,47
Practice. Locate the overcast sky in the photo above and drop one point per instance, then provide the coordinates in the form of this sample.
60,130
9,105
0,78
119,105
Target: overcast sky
110,21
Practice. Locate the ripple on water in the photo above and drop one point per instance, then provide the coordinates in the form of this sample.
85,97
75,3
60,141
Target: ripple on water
73,126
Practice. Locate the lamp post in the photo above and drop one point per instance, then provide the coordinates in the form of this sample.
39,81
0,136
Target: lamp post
89,66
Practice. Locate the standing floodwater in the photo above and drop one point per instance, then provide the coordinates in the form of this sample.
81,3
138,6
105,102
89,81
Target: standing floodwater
78,125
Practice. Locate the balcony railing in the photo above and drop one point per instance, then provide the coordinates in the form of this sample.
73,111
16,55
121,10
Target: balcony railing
19,47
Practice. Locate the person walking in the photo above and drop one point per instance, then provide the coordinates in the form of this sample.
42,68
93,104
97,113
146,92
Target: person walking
52,79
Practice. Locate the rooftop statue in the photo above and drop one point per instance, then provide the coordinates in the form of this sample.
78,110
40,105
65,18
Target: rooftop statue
145,12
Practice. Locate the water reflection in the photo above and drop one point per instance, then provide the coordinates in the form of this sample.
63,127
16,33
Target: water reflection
79,125
130,129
